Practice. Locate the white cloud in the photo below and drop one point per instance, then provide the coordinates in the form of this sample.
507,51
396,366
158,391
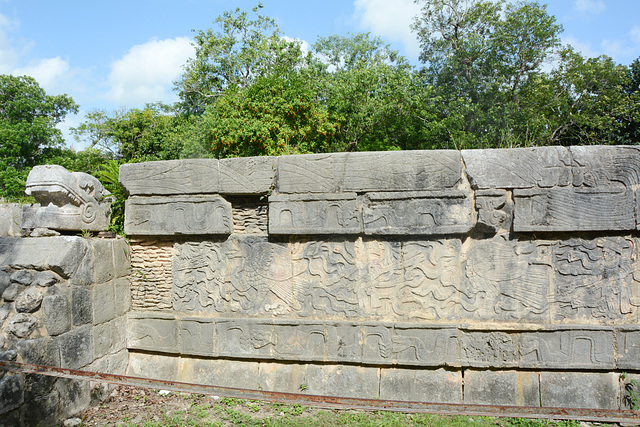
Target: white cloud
146,72
390,20
305,47
47,72
635,34
590,6
8,54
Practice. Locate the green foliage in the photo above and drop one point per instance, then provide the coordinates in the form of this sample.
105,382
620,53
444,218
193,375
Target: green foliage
28,135
631,397
108,175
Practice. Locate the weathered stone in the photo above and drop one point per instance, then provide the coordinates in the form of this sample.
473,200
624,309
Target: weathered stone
68,200
5,309
42,351
57,314
518,167
315,214
579,390
628,343
435,386
196,336
121,257
75,348
415,213
108,337
81,306
12,291
495,211
21,325
104,302
23,277
43,408
603,166
10,220
4,281
227,373
46,279
510,388
29,301
153,331
178,215
11,393
191,176
158,366
75,396
123,296
41,231
247,175
488,349
103,253
9,356
566,209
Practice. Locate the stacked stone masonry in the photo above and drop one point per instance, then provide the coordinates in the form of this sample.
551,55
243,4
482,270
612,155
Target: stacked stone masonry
482,276
64,303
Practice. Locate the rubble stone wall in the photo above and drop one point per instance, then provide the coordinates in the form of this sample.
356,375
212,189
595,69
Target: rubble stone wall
63,303
507,277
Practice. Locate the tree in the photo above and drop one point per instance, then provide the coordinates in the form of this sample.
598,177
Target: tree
28,133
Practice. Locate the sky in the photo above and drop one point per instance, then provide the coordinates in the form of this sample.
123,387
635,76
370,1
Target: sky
124,54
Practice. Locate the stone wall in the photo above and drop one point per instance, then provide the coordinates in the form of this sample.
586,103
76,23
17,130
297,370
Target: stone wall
63,303
506,277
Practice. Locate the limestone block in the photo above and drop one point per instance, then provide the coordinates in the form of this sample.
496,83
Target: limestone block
244,338
57,314
196,335
103,252
75,396
153,331
202,215
30,300
568,349
247,175
411,213
628,343
21,325
104,303
11,393
434,386
579,390
495,211
75,347
42,351
402,170
115,363
311,173
603,166
155,366
123,296
518,167
81,306
166,177
10,220
221,372
494,349
121,257
510,388
315,214
569,209
109,337
67,200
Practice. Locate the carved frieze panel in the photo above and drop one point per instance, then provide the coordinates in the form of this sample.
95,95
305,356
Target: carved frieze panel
489,349
175,215
604,166
495,211
628,342
311,173
315,214
411,213
597,280
190,176
154,332
574,209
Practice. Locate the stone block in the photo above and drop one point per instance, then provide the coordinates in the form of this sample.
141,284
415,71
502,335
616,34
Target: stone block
628,343
311,173
579,390
573,209
42,351
175,215
435,386
75,347
46,279
121,257
244,338
11,393
431,170
12,292
510,388
22,277
115,363
103,253
196,336
5,310
247,175
154,332
189,176
495,211
75,396
568,349
10,220
4,281
495,349
156,366
123,296
518,167
104,302
81,306
417,213
22,325
315,214
56,314
223,373
108,337
30,300
597,166
44,408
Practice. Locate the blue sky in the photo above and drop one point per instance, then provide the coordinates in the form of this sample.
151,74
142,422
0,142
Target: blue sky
123,54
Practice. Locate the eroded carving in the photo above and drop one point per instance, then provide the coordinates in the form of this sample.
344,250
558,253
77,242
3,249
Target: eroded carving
313,214
67,200
495,211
